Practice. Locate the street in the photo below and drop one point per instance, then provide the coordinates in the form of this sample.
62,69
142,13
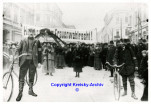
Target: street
48,93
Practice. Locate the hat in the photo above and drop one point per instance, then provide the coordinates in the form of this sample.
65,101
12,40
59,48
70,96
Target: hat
126,40
111,42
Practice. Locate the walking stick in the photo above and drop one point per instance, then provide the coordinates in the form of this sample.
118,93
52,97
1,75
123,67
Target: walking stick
47,59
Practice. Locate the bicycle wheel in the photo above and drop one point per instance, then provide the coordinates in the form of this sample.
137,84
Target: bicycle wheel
35,79
117,86
7,86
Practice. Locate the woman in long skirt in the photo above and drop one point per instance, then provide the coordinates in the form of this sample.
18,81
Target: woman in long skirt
48,63
77,61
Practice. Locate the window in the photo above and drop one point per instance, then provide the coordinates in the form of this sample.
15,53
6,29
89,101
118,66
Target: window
73,35
81,36
144,33
117,33
130,21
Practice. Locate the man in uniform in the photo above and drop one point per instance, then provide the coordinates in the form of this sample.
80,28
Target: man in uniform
30,49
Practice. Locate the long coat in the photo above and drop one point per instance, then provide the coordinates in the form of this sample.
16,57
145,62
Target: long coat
103,55
126,56
110,54
60,57
97,59
77,60
139,56
49,60
36,51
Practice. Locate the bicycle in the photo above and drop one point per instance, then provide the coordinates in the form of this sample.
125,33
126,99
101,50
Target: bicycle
8,82
117,82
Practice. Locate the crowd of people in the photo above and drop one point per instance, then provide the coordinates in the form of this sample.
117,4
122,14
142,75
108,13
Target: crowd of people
79,55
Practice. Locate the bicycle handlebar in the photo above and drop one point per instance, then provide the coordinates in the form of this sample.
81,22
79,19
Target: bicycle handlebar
14,58
115,66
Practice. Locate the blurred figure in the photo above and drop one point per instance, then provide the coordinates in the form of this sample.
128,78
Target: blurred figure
110,55
141,47
69,56
12,49
144,69
91,56
59,57
77,60
97,58
104,54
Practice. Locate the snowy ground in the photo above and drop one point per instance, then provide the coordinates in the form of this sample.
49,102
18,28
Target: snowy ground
48,93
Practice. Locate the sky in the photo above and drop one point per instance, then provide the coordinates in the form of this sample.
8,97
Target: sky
87,15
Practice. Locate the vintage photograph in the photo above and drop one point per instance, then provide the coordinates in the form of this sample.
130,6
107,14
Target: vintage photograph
75,52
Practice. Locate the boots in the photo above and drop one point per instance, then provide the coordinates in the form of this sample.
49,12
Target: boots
125,93
51,74
30,92
21,86
76,74
134,96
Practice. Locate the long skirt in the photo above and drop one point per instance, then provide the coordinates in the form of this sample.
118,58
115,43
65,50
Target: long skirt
91,60
77,69
50,67
59,61
97,63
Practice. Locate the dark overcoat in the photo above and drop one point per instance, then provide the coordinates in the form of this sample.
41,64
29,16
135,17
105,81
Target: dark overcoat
126,56
77,60
110,54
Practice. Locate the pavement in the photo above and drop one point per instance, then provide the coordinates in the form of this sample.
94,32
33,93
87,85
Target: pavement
48,93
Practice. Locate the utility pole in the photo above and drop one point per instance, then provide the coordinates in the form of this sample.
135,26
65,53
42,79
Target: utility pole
112,35
121,28
138,26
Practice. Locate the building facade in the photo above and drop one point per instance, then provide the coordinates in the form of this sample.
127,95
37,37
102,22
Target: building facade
14,17
19,17
116,26
125,23
140,25
48,15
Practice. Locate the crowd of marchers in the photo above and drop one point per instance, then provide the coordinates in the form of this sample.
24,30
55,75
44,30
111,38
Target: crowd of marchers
79,55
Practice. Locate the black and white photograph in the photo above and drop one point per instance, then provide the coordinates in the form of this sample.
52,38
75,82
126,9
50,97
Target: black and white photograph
75,51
